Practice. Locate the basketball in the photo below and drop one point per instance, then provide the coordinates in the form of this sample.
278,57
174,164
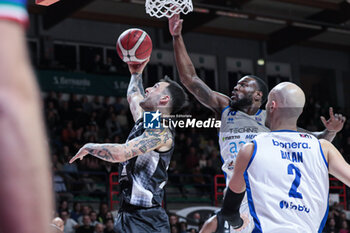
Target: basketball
134,46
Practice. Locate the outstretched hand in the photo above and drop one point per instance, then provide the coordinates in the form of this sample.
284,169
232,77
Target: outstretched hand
175,25
335,123
137,68
81,154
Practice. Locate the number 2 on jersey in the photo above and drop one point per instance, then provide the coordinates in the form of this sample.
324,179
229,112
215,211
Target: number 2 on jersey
293,190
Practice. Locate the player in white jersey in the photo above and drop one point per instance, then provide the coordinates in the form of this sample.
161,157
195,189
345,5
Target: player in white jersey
241,117
285,172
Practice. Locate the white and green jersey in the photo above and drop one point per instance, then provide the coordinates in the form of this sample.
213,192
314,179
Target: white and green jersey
237,128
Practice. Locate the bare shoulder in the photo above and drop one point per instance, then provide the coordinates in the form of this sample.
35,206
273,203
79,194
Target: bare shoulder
247,149
163,135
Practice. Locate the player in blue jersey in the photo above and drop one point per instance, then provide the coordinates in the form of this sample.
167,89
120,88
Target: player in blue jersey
285,172
145,157
241,116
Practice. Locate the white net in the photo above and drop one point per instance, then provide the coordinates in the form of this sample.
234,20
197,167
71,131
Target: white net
168,8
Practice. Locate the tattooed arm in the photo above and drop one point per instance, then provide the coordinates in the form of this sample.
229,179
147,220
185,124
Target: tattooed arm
135,91
151,139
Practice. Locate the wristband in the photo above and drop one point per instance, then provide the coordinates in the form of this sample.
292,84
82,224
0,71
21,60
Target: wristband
230,208
14,10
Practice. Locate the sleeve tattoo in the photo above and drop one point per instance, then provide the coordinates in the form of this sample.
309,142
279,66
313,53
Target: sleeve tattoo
135,85
149,140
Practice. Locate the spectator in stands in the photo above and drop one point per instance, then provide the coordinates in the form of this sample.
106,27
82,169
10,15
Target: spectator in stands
99,228
113,126
69,224
123,120
110,67
103,211
174,222
109,215
93,217
76,212
91,130
210,146
51,97
199,182
63,206
65,112
174,178
96,103
183,227
174,229
191,158
56,162
86,104
97,64
68,135
202,160
85,210
331,226
197,217
86,227
344,227
109,226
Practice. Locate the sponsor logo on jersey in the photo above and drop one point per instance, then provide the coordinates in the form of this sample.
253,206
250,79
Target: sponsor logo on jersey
290,206
230,120
244,130
231,165
291,145
250,136
304,135
231,137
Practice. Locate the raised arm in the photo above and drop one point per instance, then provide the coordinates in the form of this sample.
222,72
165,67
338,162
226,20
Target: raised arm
333,125
206,96
337,166
135,91
151,139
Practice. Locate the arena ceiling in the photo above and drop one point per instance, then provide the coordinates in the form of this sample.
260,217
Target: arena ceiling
281,23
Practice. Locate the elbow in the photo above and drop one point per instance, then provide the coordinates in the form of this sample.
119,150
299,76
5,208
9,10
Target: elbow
187,79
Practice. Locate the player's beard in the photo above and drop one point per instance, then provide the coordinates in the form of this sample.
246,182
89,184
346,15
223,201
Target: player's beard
241,103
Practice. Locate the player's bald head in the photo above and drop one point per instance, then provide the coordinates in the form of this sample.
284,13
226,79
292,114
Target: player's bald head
288,95
285,104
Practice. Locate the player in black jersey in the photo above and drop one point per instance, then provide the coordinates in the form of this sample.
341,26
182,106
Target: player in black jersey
145,156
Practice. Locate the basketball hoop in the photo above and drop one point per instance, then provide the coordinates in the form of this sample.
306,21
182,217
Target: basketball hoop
168,8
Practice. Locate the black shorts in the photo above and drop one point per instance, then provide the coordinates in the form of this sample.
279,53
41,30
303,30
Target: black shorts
142,220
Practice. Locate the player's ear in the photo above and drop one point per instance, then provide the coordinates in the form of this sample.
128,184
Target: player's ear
258,96
272,106
164,100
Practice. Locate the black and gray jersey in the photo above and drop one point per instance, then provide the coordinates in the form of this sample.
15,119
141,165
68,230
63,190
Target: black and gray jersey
143,177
